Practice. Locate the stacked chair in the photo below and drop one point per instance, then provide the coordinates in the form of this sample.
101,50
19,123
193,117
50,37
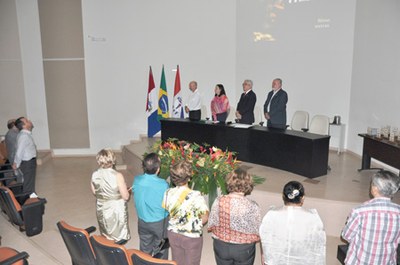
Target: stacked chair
9,256
97,250
26,213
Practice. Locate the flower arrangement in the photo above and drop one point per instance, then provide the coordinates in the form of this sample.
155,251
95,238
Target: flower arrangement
210,164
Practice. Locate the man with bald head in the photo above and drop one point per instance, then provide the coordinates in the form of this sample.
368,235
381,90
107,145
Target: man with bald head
25,154
193,106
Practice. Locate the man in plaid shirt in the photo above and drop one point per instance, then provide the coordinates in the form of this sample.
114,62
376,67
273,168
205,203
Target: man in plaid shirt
373,228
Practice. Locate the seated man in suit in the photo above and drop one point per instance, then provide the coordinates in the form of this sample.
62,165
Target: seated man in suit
245,106
275,106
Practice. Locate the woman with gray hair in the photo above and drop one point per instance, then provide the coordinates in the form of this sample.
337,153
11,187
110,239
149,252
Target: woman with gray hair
292,234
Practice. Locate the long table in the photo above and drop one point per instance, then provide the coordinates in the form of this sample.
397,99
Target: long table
299,152
380,149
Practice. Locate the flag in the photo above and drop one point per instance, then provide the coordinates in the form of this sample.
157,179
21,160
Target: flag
177,109
153,125
163,109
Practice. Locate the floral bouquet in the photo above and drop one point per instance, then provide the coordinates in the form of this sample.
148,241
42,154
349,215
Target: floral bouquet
210,164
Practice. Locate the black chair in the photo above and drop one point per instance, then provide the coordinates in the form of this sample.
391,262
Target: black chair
78,243
109,253
28,216
9,256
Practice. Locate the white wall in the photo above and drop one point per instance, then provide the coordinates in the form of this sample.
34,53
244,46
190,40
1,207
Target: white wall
311,51
12,94
375,92
197,35
31,55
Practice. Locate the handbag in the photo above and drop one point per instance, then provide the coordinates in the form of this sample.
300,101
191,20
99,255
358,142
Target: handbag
164,244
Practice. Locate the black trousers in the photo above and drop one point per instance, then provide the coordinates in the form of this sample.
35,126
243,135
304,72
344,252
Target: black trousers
151,234
195,115
234,254
28,168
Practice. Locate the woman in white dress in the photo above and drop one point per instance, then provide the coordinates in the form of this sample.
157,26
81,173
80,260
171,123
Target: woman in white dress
112,195
292,234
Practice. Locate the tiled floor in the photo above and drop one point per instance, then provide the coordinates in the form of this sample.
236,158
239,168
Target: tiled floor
64,182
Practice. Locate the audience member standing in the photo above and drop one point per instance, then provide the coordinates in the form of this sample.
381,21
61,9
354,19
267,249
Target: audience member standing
245,106
220,104
112,195
188,213
148,191
373,229
293,235
11,140
25,154
234,222
275,106
193,106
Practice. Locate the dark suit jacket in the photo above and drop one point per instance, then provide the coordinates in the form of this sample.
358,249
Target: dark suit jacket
277,109
245,107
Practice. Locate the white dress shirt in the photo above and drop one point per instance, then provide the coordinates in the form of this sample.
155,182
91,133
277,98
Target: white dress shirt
194,100
26,148
293,235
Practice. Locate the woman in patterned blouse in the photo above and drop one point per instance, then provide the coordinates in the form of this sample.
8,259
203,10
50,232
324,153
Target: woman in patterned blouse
220,104
188,213
234,222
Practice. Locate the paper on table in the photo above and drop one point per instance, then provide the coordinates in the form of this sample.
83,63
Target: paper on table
241,125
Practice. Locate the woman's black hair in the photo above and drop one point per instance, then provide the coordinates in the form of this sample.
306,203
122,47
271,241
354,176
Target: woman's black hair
293,192
221,87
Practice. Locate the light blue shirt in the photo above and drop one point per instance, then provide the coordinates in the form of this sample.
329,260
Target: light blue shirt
26,148
148,192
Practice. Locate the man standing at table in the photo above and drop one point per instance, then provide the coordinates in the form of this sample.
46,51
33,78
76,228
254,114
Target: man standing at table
245,106
25,154
275,106
193,106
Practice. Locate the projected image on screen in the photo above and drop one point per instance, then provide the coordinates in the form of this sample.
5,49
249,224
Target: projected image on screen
308,43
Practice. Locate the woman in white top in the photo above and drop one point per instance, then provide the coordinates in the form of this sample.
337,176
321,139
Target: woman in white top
292,234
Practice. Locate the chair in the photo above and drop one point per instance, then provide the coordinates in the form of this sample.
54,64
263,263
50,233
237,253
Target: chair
27,216
319,125
78,243
109,253
231,114
300,121
258,115
141,258
204,112
9,256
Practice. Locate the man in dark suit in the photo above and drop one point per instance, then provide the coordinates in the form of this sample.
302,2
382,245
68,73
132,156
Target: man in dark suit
245,106
275,106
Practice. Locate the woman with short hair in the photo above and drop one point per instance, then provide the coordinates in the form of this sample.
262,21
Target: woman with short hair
112,195
292,234
234,221
188,213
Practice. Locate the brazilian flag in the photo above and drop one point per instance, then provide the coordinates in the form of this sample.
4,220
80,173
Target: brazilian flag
163,108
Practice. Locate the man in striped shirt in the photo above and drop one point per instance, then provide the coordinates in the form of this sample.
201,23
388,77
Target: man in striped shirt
373,228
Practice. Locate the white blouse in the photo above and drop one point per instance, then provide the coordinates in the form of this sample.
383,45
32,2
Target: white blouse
293,235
